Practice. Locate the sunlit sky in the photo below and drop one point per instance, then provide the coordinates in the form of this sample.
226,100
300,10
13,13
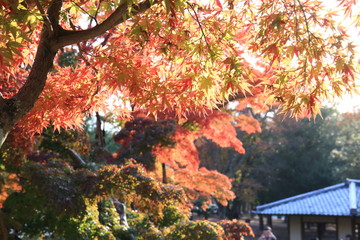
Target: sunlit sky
348,103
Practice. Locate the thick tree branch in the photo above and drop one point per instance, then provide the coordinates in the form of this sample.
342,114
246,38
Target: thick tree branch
50,42
25,99
53,14
121,14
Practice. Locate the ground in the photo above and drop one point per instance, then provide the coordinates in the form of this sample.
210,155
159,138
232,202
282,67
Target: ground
279,228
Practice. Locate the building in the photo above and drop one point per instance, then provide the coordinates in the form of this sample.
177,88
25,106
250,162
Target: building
325,214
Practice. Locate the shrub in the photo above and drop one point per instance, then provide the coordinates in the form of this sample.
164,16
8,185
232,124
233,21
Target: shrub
197,230
171,216
235,229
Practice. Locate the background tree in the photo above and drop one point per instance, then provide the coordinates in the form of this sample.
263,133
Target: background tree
301,160
61,198
347,146
297,155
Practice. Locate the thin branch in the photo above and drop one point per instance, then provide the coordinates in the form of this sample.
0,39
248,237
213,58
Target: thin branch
81,52
44,15
92,17
242,94
87,63
96,13
308,35
196,18
306,21
296,23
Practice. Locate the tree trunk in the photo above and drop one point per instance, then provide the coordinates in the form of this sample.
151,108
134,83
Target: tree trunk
99,135
13,109
3,136
3,230
164,176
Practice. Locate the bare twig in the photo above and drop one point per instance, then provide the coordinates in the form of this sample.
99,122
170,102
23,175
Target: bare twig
81,52
308,35
196,18
92,17
306,21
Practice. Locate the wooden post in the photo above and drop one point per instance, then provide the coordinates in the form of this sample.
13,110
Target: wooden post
269,221
261,222
164,177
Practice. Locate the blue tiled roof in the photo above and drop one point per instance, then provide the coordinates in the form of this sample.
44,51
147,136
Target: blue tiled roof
329,201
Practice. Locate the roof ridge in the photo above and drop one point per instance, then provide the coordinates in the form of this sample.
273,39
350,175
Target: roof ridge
307,194
348,180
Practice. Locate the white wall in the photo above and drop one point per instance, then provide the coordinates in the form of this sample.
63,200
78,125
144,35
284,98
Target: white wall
295,227
344,226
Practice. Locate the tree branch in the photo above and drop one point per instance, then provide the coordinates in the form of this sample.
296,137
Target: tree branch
121,14
3,230
54,14
78,162
197,20
44,16
13,109
84,11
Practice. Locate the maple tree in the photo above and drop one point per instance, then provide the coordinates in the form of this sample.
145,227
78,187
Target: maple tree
175,56
149,142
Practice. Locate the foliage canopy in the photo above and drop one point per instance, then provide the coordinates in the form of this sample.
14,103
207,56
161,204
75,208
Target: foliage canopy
174,57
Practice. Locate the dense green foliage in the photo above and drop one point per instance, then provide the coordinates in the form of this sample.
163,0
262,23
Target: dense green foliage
347,150
300,157
196,230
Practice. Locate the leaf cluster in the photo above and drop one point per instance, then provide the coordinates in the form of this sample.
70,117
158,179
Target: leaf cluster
139,138
56,195
235,229
196,230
